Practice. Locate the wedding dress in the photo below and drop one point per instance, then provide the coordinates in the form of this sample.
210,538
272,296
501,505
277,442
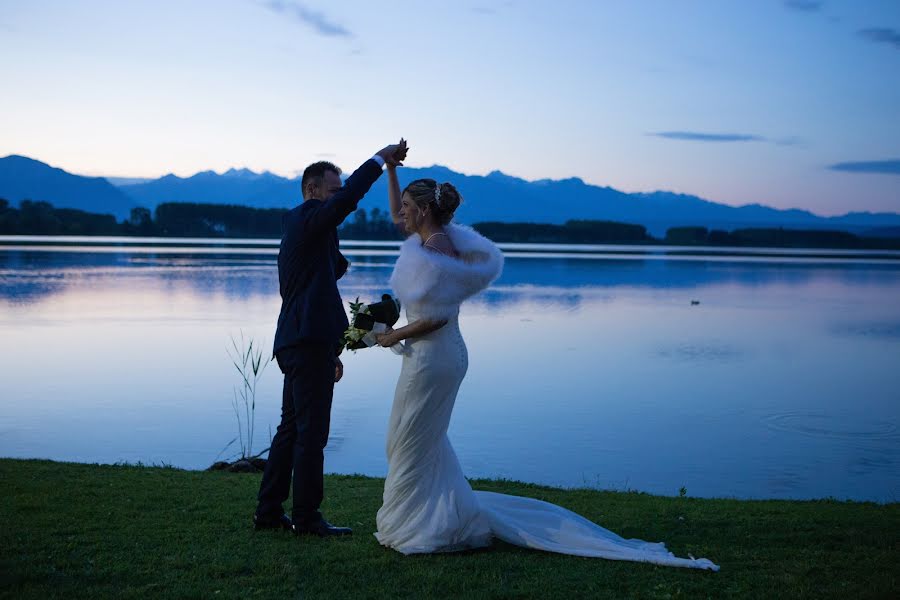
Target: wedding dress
428,504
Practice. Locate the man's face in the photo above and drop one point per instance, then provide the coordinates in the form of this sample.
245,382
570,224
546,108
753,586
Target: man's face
327,186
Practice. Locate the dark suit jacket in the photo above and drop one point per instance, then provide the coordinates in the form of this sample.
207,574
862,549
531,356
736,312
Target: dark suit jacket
310,263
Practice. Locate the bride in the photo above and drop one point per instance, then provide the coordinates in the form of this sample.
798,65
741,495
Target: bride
428,504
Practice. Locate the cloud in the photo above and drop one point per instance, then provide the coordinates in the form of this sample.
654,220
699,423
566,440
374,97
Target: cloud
693,136
788,141
885,167
318,21
881,35
808,6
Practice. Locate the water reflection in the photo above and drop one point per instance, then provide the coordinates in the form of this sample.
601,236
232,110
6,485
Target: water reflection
866,328
703,351
27,274
772,378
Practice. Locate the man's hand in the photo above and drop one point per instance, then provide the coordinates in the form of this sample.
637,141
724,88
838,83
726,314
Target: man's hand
395,154
338,369
400,154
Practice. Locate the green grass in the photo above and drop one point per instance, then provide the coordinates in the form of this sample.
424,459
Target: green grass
73,530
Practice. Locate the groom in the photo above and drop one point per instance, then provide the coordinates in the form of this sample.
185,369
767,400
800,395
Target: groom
308,341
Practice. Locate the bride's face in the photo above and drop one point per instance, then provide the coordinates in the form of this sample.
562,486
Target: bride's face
410,213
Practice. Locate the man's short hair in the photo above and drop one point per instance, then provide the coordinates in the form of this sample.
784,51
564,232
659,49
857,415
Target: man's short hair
317,171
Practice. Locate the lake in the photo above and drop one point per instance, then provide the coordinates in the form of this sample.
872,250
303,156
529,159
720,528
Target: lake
748,373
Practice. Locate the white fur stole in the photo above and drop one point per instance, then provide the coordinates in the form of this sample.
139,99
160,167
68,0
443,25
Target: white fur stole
433,284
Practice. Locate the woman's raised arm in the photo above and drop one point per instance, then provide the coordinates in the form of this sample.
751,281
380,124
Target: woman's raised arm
394,185
394,194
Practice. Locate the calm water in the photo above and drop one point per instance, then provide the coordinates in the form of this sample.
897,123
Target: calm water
588,367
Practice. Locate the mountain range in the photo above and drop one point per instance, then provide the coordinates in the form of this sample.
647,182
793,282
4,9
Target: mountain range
22,178
493,197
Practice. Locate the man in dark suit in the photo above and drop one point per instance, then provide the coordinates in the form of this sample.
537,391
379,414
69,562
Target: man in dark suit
308,341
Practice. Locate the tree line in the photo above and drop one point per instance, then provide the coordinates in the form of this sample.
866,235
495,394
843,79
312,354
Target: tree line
181,219
176,219
776,237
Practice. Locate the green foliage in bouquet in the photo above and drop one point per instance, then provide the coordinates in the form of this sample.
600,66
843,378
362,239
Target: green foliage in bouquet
353,335
365,317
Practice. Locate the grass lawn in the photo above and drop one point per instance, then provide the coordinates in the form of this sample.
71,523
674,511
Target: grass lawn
92,531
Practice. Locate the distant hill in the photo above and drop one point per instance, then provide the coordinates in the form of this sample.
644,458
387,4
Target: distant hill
493,197
235,186
499,197
22,178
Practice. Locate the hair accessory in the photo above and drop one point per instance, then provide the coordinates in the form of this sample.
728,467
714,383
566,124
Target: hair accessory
437,193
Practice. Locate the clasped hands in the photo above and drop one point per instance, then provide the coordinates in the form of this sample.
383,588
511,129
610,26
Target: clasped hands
388,338
394,155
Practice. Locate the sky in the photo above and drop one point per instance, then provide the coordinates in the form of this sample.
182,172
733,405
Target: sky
787,103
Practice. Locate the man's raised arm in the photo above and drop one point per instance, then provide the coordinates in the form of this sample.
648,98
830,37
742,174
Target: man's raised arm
332,212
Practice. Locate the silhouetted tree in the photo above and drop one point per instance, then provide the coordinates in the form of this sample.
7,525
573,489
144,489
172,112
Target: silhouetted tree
217,220
220,220
375,225
9,218
38,218
360,219
140,222
719,237
78,222
687,235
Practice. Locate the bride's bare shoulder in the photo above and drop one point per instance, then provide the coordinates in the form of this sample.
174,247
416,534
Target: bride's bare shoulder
442,245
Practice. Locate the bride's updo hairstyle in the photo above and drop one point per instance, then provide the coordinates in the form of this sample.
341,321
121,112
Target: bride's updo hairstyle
442,198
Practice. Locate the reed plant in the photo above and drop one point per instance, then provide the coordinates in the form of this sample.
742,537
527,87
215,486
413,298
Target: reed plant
247,358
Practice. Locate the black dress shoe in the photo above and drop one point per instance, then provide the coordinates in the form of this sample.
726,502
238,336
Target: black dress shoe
280,522
321,528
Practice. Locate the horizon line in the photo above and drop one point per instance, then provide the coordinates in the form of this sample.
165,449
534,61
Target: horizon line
439,166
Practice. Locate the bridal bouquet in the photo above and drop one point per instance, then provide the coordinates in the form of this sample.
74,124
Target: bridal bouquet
368,320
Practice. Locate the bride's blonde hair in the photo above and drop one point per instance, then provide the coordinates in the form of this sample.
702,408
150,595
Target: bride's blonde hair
442,198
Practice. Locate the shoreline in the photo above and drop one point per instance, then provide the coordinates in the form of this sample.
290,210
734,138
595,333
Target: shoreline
112,531
269,246
474,481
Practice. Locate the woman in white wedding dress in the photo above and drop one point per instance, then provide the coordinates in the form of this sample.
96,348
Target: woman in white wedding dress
428,504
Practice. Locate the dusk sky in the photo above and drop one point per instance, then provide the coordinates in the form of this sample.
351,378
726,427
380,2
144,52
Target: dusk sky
786,103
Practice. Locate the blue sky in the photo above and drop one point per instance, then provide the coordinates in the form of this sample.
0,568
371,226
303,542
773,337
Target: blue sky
786,103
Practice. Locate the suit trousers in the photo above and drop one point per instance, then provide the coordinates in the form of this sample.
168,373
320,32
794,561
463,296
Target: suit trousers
298,447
